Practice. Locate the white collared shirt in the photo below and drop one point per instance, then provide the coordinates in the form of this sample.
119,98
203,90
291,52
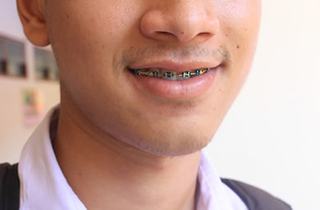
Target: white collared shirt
44,187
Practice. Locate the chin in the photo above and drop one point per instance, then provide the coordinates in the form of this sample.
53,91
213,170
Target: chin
172,144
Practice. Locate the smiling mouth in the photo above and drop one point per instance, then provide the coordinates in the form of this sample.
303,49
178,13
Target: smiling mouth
169,75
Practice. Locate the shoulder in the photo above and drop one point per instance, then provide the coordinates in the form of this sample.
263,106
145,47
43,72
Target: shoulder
255,198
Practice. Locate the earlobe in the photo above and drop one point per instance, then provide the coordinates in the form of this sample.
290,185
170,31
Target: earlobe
33,21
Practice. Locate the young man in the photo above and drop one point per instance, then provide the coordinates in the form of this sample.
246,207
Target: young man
144,86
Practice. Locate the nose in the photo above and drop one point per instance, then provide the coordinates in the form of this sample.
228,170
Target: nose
182,21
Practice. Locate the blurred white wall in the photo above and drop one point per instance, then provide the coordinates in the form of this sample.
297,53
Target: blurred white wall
269,137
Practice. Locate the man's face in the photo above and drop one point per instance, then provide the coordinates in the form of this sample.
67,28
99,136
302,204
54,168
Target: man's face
97,42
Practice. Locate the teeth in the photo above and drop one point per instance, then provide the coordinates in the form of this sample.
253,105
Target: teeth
169,75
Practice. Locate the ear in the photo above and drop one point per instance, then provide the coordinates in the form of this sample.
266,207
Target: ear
31,13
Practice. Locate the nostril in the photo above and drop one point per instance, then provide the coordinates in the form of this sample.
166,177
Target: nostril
205,36
164,34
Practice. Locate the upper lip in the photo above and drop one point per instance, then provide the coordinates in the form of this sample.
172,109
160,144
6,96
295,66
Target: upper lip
175,66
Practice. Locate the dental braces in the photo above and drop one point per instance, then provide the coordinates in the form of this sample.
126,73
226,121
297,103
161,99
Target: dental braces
169,75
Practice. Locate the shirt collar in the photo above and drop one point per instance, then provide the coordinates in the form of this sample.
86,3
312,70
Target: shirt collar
43,183
213,193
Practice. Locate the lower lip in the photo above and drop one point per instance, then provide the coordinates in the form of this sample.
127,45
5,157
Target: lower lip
171,89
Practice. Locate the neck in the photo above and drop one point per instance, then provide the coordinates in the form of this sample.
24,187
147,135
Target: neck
108,174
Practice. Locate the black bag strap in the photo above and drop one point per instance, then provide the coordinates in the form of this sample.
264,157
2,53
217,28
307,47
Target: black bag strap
255,198
9,187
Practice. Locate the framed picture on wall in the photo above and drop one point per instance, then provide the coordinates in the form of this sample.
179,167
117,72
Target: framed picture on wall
12,57
45,65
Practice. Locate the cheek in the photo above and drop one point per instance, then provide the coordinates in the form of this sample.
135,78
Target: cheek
86,39
240,24
94,28
239,8
239,28
239,18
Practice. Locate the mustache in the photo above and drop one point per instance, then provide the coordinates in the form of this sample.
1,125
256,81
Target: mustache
192,52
